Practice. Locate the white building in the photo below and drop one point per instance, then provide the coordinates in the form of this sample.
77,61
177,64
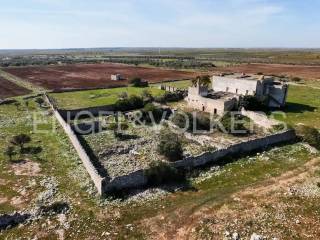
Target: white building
228,89
116,77
265,88
215,102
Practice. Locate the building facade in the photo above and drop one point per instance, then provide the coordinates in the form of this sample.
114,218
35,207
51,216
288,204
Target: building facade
116,77
217,103
226,91
266,89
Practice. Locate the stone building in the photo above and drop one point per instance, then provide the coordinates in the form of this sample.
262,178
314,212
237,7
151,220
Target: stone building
265,88
116,77
214,102
226,91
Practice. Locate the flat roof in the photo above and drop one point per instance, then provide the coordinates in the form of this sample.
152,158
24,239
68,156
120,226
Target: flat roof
220,95
240,76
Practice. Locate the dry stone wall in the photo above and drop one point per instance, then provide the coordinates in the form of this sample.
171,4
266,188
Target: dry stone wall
236,149
98,180
139,179
92,111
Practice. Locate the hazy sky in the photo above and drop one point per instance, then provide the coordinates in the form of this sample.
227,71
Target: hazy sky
163,23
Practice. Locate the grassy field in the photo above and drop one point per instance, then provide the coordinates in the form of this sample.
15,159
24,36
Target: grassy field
303,106
178,84
93,98
92,218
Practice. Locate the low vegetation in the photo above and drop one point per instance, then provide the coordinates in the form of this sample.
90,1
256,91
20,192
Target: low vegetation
310,135
161,173
170,145
101,97
138,82
131,103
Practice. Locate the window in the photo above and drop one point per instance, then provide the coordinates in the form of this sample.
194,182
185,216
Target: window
215,111
237,91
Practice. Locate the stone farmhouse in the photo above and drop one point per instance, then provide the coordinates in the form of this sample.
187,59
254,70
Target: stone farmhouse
116,77
226,91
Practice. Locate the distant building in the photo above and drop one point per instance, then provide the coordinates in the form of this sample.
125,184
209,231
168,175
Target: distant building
228,89
116,77
265,88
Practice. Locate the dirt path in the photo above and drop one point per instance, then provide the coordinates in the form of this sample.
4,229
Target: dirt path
264,191
282,182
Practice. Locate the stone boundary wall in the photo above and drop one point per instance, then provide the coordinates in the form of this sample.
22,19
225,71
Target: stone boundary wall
98,180
236,149
133,180
138,178
168,88
95,111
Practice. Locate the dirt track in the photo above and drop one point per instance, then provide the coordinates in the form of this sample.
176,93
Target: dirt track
306,72
92,75
252,201
9,89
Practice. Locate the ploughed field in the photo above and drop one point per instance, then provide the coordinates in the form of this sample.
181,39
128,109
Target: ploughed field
9,89
302,71
92,75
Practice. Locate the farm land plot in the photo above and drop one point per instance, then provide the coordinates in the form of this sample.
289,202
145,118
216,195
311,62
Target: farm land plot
9,89
100,97
302,71
93,75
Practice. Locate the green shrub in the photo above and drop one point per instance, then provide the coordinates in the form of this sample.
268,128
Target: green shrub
123,95
20,140
117,127
183,120
202,121
156,112
10,152
170,97
131,103
162,173
296,79
170,145
231,124
309,135
147,96
251,103
137,82
136,102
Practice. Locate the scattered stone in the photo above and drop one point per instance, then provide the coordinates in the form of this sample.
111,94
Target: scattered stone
255,236
235,236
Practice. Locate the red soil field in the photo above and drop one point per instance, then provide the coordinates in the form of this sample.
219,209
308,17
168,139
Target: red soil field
302,71
9,89
92,75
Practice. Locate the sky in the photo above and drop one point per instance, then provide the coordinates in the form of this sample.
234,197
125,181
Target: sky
45,24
